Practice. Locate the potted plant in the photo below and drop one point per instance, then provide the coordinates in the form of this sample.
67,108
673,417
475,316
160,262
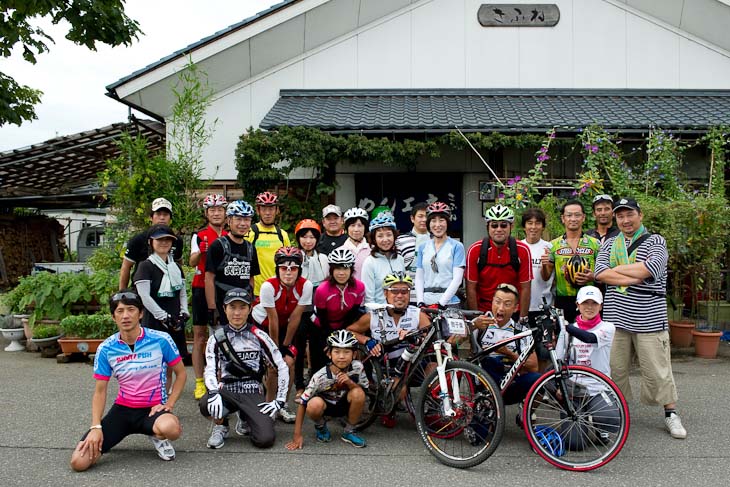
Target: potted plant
12,332
45,337
84,333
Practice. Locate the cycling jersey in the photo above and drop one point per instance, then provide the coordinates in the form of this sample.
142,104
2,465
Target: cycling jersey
593,355
324,384
266,245
141,373
374,270
285,300
256,350
209,235
560,254
336,303
438,268
408,321
233,264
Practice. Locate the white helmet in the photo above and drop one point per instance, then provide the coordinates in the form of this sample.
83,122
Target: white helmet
353,213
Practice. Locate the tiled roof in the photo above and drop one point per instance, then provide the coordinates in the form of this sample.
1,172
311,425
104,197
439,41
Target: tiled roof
504,110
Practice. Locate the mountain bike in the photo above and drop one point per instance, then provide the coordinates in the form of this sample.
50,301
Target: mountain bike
574,417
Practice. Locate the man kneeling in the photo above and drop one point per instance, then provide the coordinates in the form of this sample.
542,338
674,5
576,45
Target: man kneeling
235,361
138,357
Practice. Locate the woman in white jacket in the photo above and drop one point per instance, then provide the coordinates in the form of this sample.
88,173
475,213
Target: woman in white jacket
384,258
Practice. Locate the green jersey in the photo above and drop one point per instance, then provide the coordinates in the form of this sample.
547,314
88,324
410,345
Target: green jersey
560,254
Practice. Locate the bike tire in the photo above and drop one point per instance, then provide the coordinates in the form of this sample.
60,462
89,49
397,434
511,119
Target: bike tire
470,437
369,414
589,439
423,367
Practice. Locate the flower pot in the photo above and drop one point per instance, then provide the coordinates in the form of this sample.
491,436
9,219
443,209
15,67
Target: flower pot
706,343
14,335
48,346
680,333
79,345
29,345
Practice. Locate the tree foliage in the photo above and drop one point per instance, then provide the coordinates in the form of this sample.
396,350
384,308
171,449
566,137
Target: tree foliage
90,21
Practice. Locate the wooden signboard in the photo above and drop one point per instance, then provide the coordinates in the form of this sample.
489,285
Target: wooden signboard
518,14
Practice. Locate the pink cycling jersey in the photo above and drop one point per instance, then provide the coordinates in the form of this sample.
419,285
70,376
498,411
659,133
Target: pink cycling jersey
336,302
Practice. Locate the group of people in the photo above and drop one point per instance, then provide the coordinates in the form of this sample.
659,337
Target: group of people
274,307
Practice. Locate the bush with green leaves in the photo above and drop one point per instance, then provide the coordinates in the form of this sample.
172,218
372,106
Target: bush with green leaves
96,326
46,331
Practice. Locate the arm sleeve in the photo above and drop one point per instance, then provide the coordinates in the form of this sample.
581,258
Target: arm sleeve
419,283
194,248
133,251
210,373
523,251
367,280
582,335
143,289
184,299
657,263
458,275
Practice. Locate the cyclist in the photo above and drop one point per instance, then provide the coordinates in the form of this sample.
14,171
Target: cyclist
231,261
315,269
383,259
267,237
214,210
236,358
160,284
603,213
496,326
497,258
334,236
573,246
279,311
588,342
142,405
356,223
337,304
409,243
440,262
336,390
137,249
400,319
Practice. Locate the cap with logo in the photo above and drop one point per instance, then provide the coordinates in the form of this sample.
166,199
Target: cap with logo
626,203
589,292
161,204
237,294
331,209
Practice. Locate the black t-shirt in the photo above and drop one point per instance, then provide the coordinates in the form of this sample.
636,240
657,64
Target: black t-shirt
237,272
138,250
328,243
147,271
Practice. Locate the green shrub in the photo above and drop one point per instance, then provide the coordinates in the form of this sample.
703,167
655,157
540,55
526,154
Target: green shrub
99,325
46,331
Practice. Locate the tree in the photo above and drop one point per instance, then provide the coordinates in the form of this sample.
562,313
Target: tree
91,21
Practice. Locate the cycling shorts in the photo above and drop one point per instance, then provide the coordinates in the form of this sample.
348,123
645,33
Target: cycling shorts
122,421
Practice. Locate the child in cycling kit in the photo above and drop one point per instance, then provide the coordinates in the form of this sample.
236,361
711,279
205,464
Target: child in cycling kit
336,390
237,355
587,342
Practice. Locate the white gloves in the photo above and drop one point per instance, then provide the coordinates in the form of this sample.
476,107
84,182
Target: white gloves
270,408
215,405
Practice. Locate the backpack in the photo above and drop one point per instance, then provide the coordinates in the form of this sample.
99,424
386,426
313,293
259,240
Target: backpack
227,256
257,232
513,256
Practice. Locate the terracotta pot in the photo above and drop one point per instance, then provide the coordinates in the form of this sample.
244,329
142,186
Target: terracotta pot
680,332
79,345
706,343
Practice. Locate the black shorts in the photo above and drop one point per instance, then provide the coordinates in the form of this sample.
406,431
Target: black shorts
200,307
122,421
339,409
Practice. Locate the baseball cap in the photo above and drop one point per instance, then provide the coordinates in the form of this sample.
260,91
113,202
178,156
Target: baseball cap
160,231
589,292
161,203
627,203
331,209
237,294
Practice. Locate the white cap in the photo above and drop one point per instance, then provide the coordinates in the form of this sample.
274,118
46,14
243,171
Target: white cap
331,209
161,203
589,292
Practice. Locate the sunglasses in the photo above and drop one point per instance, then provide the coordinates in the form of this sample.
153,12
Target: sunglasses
399,291
124,295
507,287
434,266
603,197
499,225
289,266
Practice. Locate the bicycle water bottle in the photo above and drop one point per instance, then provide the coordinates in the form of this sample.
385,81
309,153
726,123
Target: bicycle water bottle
406,357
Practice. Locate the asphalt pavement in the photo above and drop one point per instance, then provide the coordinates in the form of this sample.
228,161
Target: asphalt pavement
46,406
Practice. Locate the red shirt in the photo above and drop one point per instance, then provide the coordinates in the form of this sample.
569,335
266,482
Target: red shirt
492,275
208,234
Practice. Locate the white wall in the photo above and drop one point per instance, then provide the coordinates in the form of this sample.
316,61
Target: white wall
439,43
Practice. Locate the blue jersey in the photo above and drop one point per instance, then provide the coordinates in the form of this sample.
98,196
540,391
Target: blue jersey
142,373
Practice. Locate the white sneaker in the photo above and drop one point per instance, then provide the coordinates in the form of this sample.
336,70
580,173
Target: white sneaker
242,426
218,436
674,426
164,449
286,416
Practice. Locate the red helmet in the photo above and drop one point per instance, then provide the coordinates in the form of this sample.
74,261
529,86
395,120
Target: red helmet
214,200
308,224
288,254
438,207
267,199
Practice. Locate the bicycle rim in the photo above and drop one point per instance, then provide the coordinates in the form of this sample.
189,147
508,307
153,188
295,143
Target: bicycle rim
473,434
372,393
420,370
590,437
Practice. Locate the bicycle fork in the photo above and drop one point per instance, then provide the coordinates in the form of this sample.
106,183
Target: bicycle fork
443,384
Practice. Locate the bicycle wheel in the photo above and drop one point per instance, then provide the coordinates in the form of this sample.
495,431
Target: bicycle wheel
581,425
372,393
421,369
473,433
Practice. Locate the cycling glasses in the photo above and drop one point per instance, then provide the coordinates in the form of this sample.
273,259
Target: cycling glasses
507,287
602,197
288,266
124,295
499,225
400,291
237,294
